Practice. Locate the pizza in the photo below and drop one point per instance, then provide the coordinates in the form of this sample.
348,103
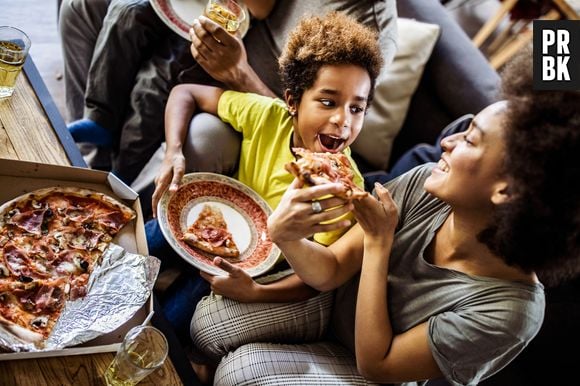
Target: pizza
209,233
50,241
323,168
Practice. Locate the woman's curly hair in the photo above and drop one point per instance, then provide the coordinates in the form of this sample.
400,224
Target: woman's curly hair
331,40
539,229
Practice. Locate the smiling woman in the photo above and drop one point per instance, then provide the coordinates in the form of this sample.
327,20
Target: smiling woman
438,272
472,162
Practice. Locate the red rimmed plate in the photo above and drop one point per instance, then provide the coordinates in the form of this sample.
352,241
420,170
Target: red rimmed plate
180,14
245,212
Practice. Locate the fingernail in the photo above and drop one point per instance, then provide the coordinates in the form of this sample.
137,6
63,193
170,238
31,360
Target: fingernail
378,184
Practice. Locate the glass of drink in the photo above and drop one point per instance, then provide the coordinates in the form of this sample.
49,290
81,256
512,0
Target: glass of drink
14,46
143,351
226,13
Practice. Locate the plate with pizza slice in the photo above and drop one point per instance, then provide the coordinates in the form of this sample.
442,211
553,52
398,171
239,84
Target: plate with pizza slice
180,14
214,215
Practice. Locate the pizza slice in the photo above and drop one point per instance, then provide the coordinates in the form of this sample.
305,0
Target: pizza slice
323,168
29,310
209,233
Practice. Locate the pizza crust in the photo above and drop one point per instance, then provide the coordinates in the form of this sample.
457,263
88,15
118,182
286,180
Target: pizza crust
222,251
79,192
21,333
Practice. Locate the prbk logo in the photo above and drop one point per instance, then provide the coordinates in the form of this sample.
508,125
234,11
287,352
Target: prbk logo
556,55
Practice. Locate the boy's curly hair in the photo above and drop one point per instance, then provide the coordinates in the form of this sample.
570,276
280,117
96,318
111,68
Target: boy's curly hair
539,229
333,39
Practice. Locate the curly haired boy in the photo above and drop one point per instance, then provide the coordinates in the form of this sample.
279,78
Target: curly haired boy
329,67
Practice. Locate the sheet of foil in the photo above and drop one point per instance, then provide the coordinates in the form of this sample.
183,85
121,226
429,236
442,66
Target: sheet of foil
117,289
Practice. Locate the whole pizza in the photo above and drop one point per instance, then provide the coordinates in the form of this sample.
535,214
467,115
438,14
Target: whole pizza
50,241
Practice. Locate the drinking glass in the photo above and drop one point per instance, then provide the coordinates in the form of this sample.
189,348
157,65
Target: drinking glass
14,46
143,351
226,13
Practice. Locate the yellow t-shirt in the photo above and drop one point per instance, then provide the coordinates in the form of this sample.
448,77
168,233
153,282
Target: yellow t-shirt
267,129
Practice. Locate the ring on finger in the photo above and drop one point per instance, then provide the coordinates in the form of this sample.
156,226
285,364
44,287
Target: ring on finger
316,207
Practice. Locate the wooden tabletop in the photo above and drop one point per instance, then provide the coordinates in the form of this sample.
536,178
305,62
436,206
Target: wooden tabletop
78,370
31,129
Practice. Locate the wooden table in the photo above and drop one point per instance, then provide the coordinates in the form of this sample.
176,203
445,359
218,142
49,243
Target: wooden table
28,125
32,129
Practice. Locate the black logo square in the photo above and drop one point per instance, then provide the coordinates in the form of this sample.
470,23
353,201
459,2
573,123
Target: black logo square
556,54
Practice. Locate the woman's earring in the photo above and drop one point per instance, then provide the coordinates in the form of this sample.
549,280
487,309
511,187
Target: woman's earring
292,112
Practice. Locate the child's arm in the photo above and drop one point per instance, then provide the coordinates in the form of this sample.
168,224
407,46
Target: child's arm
184,100
238,285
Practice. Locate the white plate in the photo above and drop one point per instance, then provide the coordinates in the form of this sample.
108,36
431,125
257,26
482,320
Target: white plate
180,14
245,213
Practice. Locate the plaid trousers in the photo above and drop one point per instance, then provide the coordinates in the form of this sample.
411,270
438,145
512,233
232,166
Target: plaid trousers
272,343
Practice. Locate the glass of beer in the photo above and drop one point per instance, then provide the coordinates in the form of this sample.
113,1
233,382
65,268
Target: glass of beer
14,46
226,13
143,351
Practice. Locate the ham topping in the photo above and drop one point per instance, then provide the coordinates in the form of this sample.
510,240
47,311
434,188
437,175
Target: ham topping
30,221
216,237
112,220
17,260
47,297
78,215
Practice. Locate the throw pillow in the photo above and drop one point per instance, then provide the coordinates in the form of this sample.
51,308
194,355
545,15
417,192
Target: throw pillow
394,90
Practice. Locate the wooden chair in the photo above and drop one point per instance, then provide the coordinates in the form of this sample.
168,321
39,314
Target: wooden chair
518,33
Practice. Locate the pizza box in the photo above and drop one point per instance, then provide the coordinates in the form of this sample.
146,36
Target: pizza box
20,177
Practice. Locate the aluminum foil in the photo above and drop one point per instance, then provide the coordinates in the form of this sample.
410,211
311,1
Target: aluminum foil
117,289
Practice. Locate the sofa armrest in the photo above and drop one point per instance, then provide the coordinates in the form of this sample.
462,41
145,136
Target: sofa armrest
457,79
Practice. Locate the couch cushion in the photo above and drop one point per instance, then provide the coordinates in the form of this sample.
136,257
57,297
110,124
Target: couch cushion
395,87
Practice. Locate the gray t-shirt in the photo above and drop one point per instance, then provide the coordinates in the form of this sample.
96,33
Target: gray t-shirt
477,325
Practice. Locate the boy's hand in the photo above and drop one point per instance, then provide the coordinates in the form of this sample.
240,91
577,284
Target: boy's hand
236,285
170,175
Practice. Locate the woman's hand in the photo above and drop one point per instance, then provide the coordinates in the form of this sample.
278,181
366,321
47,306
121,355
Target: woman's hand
236,285
377,217
170,175
295,217
221,54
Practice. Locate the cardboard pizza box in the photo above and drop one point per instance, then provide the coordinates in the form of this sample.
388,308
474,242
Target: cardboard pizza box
19,177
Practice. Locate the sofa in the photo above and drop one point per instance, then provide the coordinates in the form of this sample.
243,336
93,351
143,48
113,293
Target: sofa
457,80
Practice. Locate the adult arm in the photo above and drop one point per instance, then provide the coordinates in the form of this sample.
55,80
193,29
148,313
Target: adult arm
223,56
382,356
184,100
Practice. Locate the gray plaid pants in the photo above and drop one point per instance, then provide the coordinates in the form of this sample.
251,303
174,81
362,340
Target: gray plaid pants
272,343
